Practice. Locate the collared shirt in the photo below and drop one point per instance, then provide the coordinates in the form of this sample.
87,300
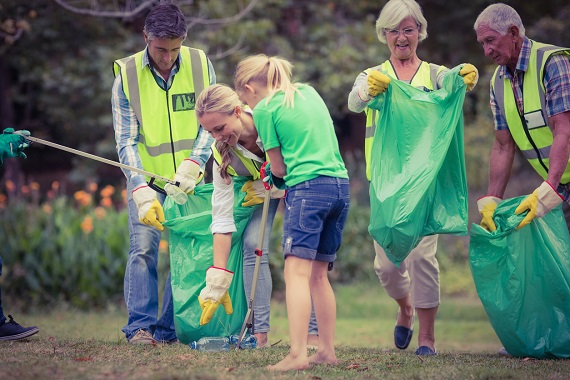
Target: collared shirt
223,196
556,83
127,130
557,91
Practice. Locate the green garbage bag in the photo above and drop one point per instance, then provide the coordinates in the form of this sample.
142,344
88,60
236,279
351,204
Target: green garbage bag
418,185
523,280
191,254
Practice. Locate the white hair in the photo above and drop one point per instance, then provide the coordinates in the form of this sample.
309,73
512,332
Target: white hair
394,12
500,17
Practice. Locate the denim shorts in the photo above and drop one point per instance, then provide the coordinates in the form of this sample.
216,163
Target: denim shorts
315,213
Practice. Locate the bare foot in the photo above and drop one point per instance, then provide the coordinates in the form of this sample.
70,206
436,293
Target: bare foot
262,341
289,363
323,358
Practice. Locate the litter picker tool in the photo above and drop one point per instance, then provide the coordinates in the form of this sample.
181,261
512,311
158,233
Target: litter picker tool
171,188
248,322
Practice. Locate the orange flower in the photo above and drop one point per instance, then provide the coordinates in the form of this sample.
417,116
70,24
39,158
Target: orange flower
34,186
55,185
87,224
124,196
25,189
47,208
10,186
100,213
2,201
107,191
92,187
106,202
82,197
163,246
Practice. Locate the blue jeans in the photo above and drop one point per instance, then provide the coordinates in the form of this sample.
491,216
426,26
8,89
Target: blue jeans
141,280
261,307
315,214
264,284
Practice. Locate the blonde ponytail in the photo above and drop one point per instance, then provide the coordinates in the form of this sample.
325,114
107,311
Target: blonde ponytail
274,73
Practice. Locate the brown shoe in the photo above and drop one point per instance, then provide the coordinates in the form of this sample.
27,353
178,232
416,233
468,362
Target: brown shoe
142,337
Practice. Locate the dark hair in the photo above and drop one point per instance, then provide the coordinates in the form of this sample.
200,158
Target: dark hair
165,20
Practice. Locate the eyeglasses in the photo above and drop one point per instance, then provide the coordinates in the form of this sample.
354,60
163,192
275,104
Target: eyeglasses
408,32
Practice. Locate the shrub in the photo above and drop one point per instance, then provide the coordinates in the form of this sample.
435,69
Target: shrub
63,249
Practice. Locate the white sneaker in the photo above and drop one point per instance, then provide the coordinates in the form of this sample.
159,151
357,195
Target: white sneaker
142,337
503,352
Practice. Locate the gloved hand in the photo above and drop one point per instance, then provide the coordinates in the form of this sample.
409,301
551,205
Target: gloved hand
470,75
150,209
218,281
487,206
256,193
188,174
269,180
542,200
376,83
12,144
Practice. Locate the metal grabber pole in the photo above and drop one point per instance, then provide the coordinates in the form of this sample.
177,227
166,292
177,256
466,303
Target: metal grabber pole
171,187
248,322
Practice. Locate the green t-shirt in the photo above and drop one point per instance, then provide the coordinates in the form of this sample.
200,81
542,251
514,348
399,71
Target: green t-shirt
305,134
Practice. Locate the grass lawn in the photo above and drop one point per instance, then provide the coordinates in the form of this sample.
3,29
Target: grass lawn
79,345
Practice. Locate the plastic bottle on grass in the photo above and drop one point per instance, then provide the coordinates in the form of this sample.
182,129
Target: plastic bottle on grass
248,342
213,343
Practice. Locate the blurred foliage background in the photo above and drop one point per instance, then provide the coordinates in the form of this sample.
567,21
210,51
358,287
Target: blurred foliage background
55,81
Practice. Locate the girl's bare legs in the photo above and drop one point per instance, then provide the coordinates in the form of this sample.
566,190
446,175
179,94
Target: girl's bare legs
298,300
325,310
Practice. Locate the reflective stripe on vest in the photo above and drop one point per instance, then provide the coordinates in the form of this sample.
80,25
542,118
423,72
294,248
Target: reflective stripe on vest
425,78
530,131
240,165
167,120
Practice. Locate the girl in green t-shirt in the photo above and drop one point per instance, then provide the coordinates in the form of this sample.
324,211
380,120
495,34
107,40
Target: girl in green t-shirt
297,132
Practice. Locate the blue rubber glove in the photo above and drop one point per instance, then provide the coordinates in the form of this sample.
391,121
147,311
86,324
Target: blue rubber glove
13,144
269,180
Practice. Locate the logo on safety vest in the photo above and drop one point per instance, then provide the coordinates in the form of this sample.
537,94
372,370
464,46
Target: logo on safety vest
183,102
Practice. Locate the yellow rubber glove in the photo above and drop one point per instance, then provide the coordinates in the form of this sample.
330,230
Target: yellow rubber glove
470,75
487,206
377,82
255,193
539,203
218,281
150,209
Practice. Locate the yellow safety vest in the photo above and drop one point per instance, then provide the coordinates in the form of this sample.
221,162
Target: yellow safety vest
167,119
425,78
240,165
530,130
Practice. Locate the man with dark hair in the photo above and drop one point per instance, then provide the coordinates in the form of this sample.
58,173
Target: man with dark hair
156,130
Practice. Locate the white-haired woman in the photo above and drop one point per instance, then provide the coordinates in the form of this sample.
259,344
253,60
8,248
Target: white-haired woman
414,285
